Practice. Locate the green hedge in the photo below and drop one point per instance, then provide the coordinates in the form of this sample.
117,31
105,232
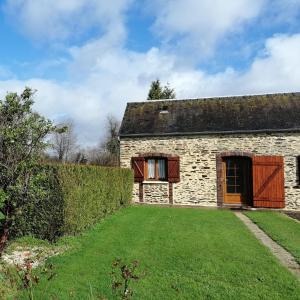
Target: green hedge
90,193
67,199
43,214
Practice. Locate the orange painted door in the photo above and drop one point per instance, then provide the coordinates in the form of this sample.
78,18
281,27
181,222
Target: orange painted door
268,182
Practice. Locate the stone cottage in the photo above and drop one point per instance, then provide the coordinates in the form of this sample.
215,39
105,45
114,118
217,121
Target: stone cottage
230,151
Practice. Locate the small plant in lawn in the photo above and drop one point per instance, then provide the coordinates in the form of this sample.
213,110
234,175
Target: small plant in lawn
24,278
122,274
28,280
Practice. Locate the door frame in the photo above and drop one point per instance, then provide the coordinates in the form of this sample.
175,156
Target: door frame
220,175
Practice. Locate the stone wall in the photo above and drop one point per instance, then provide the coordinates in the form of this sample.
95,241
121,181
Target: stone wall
198,176
156,192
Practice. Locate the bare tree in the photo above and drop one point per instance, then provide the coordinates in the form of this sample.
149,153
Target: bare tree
64,144
79,157
111,144
107,153
94,155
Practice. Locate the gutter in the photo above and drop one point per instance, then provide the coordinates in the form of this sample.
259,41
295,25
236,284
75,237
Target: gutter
291,130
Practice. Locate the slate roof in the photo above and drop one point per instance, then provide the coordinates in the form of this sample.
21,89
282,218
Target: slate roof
259,113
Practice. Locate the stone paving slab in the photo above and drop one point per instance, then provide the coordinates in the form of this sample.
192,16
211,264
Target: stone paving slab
283,255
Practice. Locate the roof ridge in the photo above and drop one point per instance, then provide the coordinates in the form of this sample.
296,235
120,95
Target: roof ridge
214,97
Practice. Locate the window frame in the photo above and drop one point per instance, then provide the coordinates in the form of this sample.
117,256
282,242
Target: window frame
156,168
236,184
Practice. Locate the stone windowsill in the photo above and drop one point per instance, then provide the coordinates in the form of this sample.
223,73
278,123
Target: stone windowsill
155,182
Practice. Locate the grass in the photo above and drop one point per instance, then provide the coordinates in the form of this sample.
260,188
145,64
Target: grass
5,289
186,254
8,277
25,242
280,228
8,290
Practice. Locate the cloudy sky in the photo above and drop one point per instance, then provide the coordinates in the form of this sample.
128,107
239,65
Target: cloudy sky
87,58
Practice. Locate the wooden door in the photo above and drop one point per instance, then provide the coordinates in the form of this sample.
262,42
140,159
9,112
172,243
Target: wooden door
268,182
232,176
237,180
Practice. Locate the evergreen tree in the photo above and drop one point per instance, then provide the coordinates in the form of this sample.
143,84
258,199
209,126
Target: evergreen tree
158,92
22,141
168,92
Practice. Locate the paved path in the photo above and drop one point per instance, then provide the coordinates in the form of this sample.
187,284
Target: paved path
284,256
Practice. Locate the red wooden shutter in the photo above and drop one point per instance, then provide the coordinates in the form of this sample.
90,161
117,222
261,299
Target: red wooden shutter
137,164
173,169
268,182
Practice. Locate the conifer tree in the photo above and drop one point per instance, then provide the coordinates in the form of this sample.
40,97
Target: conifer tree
158,92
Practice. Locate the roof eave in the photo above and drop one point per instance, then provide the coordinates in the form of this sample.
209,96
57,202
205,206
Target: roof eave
208,132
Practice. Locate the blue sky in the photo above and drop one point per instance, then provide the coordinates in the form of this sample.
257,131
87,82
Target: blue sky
87,58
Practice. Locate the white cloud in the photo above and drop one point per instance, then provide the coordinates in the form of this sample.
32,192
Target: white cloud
63,19
201,24
279,68
103,75
107,79
276,70
110,76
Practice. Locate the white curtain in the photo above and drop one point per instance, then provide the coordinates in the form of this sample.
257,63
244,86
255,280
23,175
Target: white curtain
151,168
161,168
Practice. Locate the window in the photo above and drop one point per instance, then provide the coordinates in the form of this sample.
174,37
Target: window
156,169
233,176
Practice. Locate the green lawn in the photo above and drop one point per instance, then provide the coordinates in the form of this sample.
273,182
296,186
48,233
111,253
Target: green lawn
186,253
280,228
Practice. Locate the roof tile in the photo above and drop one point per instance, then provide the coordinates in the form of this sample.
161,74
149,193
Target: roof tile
272,112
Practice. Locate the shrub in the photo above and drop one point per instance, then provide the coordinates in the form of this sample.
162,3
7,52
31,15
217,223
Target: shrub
92,192
43,214
67,199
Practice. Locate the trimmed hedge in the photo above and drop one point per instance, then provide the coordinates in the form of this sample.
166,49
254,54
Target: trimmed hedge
67,199
90,193
43,214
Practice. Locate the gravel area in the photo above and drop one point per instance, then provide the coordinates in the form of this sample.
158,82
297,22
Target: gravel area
37,255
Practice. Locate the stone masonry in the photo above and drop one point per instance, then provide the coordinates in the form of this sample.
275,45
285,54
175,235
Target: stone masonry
198,176
156,192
